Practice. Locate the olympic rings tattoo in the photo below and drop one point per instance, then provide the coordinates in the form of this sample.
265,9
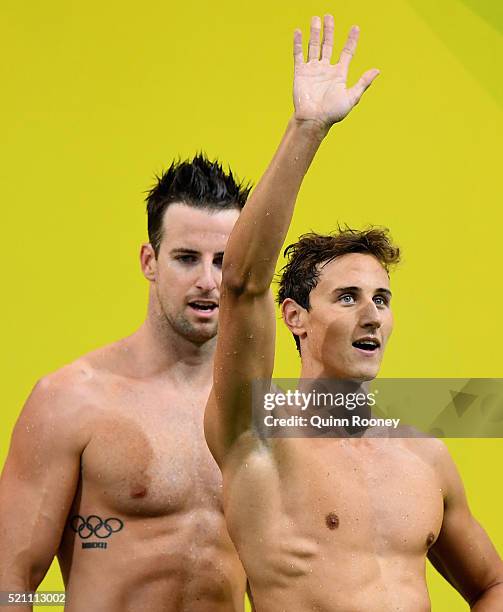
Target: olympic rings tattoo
94,525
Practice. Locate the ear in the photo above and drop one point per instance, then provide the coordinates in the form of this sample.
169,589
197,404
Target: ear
148,261
294,317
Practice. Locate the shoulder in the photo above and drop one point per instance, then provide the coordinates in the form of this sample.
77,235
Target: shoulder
72,399
433,450
81,381
63,401
63,407
66,386
436,453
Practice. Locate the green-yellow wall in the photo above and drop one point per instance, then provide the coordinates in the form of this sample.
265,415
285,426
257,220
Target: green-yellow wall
96,96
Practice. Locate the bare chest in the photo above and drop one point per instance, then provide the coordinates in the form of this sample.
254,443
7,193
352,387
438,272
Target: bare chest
378,493
148,457
378,499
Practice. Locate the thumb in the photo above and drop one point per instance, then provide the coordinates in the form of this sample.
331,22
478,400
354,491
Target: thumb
366,80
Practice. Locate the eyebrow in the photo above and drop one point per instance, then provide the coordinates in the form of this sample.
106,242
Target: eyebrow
186,251
358,290
181,251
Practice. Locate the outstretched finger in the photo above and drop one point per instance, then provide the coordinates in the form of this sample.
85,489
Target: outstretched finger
349,49
298,56
314,39
328,38
357,91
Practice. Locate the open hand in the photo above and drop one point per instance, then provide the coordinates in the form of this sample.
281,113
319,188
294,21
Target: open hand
319,87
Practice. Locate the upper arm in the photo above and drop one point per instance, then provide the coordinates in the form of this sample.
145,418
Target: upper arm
37,486
244,354
463,552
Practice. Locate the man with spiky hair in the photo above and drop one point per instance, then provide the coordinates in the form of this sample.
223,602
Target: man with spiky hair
336,524
108,467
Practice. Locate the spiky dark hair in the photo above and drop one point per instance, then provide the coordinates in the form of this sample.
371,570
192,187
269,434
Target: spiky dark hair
200,183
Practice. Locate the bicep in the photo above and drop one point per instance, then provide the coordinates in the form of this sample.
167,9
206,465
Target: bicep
244,356
466,557
463,552
37,487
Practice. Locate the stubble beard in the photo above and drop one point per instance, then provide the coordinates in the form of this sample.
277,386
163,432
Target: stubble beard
198,334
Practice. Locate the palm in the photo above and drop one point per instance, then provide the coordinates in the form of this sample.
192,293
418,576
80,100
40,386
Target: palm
319,88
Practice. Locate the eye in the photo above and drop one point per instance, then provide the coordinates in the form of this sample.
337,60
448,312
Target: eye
347,298
186,259
217,261
381,300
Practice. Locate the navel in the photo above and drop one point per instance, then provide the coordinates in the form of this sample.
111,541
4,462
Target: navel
332,520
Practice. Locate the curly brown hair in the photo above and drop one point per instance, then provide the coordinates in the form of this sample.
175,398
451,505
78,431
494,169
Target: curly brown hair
313,251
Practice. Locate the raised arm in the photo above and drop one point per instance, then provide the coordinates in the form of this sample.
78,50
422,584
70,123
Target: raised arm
37,487
463,552
245,347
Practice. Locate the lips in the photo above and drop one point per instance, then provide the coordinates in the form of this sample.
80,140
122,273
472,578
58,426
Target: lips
368,344
203,305
204,308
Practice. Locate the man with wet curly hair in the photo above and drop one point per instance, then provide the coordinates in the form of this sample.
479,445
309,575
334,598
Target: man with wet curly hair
312,252
342,523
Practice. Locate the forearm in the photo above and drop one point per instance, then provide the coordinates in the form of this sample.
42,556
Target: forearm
28,543
29,540
255,243
491,599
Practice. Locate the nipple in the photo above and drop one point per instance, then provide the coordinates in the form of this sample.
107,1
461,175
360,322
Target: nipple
430,539
332,520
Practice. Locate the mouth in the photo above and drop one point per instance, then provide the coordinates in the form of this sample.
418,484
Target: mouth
368,345
204,308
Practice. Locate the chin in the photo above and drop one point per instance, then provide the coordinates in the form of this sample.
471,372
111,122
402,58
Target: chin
203,333
195,332
358,375
369,374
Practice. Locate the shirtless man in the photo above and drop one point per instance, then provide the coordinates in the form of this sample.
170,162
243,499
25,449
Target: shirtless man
108,466
334,524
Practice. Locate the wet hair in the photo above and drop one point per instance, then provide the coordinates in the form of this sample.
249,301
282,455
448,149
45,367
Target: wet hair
307,257
199,183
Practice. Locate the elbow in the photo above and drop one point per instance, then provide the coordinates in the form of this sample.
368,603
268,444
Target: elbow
22,573
16,579
243,282
491,595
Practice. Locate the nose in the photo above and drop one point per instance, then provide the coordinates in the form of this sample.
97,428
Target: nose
370,316
207,277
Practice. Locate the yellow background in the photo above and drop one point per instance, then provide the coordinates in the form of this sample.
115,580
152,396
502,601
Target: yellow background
96,96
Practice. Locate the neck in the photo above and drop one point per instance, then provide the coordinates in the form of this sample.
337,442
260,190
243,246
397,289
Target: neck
317,379
159,350
313,370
